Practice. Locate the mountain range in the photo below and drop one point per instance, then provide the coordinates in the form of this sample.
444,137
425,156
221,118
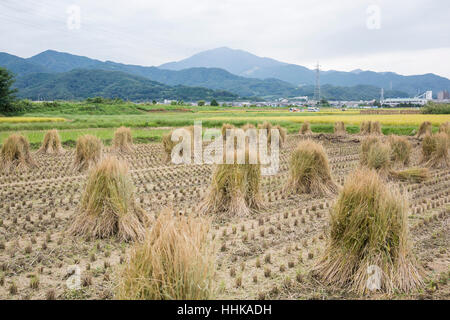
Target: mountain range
248,65
223,73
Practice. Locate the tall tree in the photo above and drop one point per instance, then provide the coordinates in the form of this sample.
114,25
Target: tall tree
7,96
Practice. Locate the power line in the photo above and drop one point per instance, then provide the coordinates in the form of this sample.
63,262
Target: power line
317,87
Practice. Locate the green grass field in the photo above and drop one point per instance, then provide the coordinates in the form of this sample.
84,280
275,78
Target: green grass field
149,122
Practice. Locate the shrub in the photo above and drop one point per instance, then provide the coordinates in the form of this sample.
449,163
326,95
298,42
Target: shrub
15,154
368,227
175,262
235,188
309,171
107,205
51,143
123,140
432,108
88,152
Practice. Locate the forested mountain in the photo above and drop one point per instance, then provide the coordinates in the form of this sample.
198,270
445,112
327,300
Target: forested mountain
80,84
265,83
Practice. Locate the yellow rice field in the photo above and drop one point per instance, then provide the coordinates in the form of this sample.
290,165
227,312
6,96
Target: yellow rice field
389,119
29,119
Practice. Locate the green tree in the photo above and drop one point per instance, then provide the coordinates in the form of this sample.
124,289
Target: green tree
7,97
324,103
214,103
154,101
201,103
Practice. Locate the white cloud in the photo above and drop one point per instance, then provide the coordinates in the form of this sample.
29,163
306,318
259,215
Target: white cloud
413,37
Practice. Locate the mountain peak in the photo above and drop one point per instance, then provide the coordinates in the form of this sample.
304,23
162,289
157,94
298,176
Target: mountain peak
62,61
236,61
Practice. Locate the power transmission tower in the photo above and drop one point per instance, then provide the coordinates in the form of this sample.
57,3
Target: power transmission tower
317,88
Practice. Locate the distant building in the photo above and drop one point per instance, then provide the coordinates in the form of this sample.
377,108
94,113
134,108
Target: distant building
443,95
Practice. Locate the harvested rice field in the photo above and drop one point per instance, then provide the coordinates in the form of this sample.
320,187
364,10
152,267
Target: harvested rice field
272,252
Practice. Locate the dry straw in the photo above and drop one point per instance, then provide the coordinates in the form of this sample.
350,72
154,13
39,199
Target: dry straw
107,205
88,152
424,129
400,149
51,143
235,188
435,150
445,128
15,154
365,147
375,128
364,128
168,144
369,229
370,128
123,140
174,262
225,127
305,129
412,174
339,128
309,171
380,157
247,126
268,126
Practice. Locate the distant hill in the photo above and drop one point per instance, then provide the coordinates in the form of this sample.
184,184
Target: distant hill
81,84
246,64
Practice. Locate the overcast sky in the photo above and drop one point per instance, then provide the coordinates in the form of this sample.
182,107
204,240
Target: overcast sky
407,37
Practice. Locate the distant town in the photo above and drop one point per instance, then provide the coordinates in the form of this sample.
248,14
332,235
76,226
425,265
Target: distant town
299,104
